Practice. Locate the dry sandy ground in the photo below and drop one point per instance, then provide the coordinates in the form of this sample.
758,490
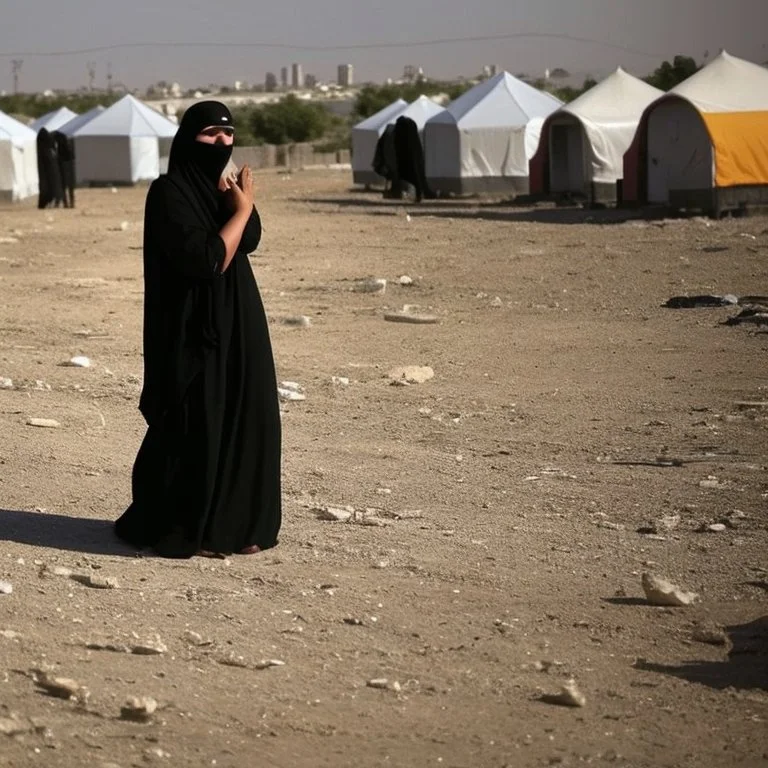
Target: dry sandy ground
509,488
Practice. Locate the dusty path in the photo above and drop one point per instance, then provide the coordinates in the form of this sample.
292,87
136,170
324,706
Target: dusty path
507,557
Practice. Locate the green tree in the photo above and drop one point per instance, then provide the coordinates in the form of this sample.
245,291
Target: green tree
668,75
289,120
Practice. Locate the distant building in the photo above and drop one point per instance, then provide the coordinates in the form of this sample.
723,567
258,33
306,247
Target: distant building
345,77
310,81
284,77
297,77
489,70
270,82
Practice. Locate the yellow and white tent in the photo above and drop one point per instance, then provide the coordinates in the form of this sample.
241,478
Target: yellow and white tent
708,133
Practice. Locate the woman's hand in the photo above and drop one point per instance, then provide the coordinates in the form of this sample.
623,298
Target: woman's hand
240,192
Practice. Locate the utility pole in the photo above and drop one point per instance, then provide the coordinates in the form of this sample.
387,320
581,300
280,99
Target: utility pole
91,66
16,69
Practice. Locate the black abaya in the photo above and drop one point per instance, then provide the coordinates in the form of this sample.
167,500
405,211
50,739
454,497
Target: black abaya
207,475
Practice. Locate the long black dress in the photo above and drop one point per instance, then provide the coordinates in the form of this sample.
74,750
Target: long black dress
207,475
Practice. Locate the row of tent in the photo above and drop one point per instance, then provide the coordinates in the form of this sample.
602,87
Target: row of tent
123,144
703,144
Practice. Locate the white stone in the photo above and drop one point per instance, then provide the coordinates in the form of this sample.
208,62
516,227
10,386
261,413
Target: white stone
79,361
411,374
405,280
340,381
659,591
6,383
45,423
6,588
335,514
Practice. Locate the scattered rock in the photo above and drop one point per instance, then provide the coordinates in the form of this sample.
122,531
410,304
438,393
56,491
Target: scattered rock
711,634
405,280
373,285
95,582
569,696
60,687
139,709
354,622
415,318
78,361
497,302
340,381
335,514
153,648
6,383
14,725
382,683
10,634
298,321
712,482
411,374
45,423
8,240
195,638
267,663
290,390
6,588
659,591
712,528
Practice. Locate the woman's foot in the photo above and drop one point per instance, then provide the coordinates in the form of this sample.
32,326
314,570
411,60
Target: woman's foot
208,553
252,550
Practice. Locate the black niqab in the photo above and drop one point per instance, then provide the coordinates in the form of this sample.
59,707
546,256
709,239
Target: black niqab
197,163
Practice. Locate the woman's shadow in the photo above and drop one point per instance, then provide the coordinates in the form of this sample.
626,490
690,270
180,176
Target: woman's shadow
77,534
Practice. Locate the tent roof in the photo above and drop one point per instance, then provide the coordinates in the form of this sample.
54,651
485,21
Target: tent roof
726,84
383,116
13,130
128,117
500,101
619,98
52,121
78,122
421,110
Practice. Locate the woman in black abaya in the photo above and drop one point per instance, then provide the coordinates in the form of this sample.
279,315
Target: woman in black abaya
207,476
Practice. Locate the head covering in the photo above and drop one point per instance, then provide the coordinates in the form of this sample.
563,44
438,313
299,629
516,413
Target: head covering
197,165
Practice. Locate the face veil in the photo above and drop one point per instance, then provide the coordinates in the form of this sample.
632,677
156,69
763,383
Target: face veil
200,164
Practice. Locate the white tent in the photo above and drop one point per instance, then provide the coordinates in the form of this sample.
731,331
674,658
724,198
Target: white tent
18,160
420,111
483,140
54,120
127,143
68,129
365,137
582,144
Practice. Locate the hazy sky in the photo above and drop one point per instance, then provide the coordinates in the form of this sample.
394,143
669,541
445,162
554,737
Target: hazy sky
652,29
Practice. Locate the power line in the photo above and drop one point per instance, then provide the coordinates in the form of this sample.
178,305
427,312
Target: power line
348,47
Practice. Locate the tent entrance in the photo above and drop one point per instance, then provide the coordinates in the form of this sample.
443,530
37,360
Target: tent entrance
567,161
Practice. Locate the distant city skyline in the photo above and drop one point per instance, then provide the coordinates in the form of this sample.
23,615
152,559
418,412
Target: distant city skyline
581,36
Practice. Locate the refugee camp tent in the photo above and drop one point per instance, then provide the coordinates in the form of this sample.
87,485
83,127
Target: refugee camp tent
365,136
582,144
54,120
483,141
18,160
704,144
68,129
127,143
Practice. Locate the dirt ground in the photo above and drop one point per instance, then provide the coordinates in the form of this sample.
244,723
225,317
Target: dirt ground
504,511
